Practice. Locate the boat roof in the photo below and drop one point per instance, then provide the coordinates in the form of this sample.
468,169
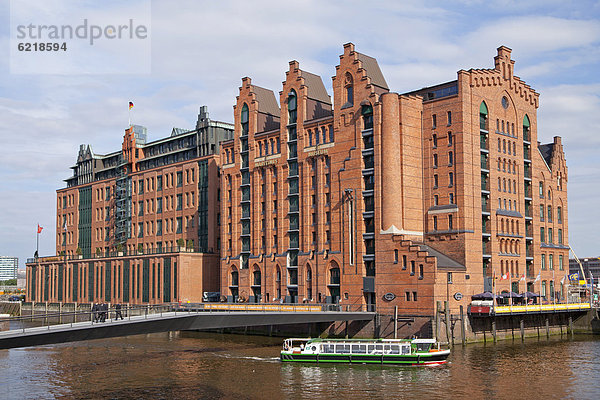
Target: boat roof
316,340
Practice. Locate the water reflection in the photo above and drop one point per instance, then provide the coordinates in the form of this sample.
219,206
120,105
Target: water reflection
245,367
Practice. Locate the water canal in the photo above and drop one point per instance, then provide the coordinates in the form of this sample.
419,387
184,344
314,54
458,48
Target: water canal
212,366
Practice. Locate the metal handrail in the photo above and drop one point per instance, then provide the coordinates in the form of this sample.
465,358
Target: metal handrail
190,308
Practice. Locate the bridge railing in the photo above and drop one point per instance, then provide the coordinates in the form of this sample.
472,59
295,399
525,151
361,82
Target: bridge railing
91,317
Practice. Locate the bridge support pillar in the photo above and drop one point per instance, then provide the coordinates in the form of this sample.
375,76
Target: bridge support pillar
522,323
494,331
547,328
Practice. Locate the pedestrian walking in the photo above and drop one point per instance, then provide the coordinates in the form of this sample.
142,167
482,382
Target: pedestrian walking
118,311
103,309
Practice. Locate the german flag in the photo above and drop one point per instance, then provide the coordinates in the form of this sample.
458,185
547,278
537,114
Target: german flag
130,105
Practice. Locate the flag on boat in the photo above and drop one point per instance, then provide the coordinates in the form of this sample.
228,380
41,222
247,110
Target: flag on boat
574,277
39,230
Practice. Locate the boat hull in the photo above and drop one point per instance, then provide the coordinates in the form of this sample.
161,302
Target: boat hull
408,359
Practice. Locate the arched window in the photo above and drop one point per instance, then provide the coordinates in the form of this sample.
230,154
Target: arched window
292,106
483,116
367,114
256,278
334,283
278,282
349,89
526,127
260,147
309,137
308,283
234,278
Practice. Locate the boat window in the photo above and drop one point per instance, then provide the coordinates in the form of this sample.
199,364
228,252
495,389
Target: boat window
395,349
371,348
379,347
423,346
387,348
359,348
406,349
328,348
314,348
342,348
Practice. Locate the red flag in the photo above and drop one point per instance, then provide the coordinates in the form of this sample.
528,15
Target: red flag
40,228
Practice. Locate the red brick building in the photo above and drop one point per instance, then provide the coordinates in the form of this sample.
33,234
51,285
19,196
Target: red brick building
383,200
137,225
390,199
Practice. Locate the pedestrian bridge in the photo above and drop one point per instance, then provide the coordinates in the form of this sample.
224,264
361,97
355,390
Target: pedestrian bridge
50,328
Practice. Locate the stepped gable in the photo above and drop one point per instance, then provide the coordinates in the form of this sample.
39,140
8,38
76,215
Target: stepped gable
502,75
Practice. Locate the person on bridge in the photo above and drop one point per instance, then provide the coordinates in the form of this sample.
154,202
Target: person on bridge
118,311
95,312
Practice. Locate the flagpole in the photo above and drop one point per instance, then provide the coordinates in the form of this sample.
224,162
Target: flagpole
37,241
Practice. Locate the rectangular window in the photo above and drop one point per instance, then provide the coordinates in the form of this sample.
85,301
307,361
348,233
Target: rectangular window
543,261
414,296
449,277
179,202
434,140
433,121
159,205
412,268
435,161
435,200
450,158
449,114
159,182
551,261
159,227
450,138
542,235
435,181
541,212
435,223
451,179
450,226
550,236
560,236
407,296
549,213
420,271
179,179
451,198
141,186
560,262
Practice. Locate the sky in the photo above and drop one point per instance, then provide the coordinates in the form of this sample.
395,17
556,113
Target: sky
199,51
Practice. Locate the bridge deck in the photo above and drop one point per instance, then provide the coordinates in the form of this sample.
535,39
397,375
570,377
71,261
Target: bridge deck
167,321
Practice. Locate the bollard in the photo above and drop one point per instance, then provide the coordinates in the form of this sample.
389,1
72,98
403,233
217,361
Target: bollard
462,325
522,330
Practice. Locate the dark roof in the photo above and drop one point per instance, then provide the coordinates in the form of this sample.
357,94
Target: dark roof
266,100
442,260
546,150
373,71
316,89
509,213
444,207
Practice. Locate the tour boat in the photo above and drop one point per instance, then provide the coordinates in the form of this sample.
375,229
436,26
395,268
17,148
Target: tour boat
372,351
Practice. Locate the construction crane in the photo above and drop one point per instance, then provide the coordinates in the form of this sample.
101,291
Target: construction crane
580,265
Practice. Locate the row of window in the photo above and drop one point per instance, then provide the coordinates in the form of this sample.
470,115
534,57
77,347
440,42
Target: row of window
510,267
413,265
434,139
507,166
450,159
434,120
549,213
450,180
503,187
505,127
508,204
550,264
67,201
436,199
449,219
549,238
503,145
510,246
